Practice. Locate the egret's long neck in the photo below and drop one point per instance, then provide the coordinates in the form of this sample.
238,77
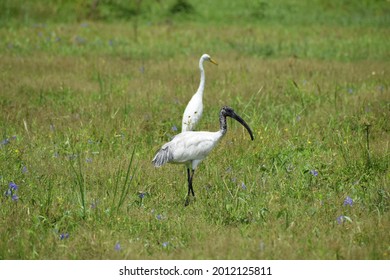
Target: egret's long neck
202,78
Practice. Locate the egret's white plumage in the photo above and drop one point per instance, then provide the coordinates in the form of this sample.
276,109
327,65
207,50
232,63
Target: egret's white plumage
191,147
194,109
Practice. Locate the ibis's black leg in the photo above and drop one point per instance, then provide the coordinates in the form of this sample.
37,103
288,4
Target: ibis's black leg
189,181
190,189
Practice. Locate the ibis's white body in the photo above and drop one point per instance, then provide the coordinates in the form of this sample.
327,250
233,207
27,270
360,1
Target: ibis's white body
194,109
189,147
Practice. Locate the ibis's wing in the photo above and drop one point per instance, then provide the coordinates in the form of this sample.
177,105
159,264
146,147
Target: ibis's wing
163,156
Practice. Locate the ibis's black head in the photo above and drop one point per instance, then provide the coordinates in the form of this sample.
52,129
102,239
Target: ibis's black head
226,111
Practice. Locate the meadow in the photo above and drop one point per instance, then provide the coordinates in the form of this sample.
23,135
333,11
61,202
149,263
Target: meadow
88,94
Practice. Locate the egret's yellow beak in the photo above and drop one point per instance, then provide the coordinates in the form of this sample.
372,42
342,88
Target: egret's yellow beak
213,61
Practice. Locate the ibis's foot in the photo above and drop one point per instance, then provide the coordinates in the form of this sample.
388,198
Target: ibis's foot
188,200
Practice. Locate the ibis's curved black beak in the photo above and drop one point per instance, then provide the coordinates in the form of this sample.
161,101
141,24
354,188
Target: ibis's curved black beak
230,112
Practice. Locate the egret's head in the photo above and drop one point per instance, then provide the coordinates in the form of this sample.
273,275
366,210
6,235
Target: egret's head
206,57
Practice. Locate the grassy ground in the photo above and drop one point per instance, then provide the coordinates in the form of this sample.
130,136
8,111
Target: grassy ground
86,102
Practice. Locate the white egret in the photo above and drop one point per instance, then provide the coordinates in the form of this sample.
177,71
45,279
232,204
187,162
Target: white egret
191,147
194,109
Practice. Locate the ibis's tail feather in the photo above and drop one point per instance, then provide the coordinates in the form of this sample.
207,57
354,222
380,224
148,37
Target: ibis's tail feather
163,156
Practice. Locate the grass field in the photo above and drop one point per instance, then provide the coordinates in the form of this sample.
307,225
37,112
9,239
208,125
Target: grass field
89,94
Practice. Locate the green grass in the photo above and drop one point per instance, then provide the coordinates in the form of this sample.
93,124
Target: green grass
86,102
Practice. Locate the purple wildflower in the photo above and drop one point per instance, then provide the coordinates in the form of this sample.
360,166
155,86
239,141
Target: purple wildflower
340,219
141,195
118,246
64,236
243,186
174,128
165,244
159,217
314,172
348,201
4,141
24,169
15,197
12,186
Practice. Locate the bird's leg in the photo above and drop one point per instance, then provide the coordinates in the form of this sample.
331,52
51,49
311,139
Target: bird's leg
190,188
189,181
